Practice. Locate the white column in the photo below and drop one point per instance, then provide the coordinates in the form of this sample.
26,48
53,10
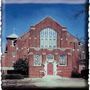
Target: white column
55,68
45,68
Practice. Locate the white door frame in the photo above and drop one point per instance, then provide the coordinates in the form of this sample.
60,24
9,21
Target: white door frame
54,66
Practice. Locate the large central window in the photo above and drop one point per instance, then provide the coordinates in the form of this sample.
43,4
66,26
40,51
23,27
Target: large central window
48,38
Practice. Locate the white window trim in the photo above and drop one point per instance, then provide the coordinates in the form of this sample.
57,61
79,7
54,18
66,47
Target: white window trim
7,68
62,65
66,62
40,60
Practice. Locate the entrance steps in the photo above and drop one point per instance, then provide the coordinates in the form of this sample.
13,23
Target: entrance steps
52,77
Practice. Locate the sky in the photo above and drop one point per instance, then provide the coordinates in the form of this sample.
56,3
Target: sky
18,17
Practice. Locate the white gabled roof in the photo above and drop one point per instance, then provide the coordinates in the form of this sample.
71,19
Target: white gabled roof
12,36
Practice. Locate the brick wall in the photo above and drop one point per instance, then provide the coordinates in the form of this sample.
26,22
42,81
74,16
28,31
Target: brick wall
24,44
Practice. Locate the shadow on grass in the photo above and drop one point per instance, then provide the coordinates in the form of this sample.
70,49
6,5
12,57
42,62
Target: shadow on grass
36,88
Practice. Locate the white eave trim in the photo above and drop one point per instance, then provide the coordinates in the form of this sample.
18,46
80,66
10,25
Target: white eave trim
37,48
7,68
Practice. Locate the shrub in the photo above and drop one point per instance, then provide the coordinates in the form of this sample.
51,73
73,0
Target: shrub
21,66
75,75
84,73
12,76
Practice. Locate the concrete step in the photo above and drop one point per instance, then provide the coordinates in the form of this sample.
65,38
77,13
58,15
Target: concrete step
52,77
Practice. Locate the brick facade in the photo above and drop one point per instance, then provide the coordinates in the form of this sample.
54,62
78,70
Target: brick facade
28,45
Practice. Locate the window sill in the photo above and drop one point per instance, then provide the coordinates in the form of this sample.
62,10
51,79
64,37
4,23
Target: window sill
37,65
63,65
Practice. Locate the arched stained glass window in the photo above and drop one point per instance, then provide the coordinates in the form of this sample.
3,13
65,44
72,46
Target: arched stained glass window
50,56
48,38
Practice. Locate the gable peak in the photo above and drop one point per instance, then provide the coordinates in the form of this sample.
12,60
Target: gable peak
48,18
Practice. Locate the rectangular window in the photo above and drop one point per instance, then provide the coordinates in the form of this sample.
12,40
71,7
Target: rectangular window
63,60
37,60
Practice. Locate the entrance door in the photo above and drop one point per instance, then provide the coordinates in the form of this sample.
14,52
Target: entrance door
49,69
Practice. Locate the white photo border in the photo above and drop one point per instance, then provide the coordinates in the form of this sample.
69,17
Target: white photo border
41,0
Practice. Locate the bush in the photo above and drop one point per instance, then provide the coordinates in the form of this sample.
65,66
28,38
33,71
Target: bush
21,66
75,75
12,76
84,74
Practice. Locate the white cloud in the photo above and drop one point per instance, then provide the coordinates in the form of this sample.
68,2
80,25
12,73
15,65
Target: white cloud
45,1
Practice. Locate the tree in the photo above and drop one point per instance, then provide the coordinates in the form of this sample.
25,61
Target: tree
21,66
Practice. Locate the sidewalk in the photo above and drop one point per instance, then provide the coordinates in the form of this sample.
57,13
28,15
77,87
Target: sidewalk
56,81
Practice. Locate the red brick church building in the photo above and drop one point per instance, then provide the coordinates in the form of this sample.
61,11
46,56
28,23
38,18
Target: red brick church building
49,48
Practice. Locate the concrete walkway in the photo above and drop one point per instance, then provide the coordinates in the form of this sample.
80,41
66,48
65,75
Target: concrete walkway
57,81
